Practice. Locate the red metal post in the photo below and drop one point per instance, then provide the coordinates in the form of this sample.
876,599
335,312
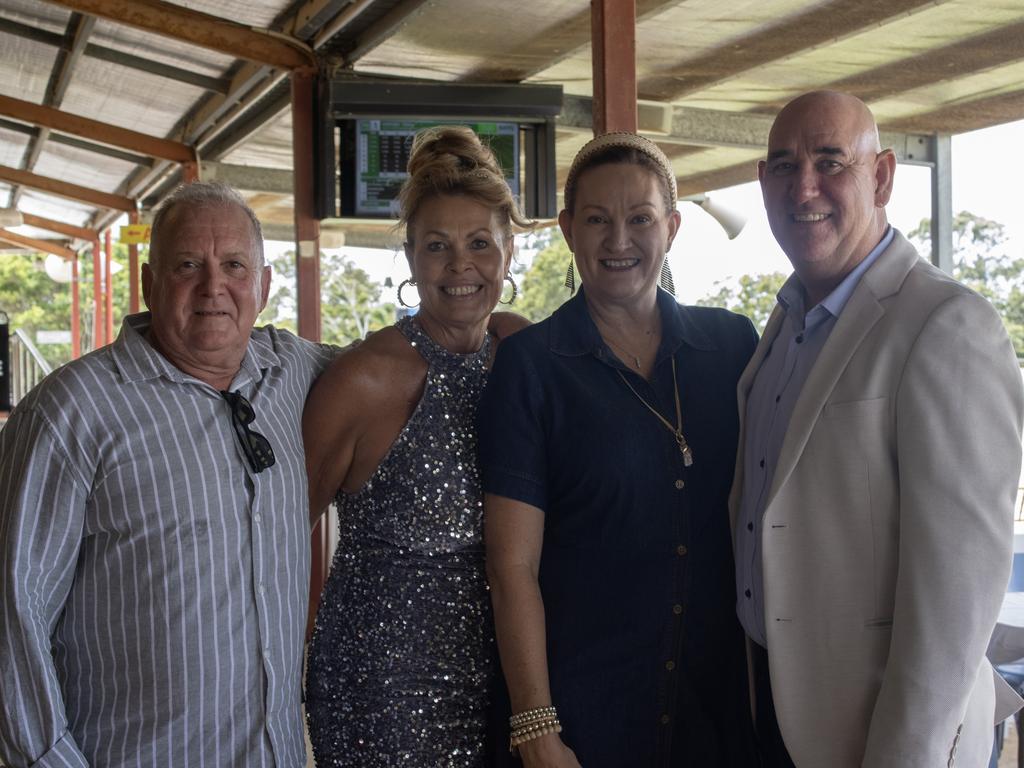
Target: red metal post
613,42
307,275
76,313
133,269
97,294
108,288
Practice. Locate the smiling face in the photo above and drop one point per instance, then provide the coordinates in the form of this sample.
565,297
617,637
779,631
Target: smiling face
205,290
619,232
459,252
825,185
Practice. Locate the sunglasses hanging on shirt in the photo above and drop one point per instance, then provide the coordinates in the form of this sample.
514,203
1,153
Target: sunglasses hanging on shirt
255,446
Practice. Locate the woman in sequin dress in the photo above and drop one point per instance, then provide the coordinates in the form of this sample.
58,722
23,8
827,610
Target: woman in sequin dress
402,658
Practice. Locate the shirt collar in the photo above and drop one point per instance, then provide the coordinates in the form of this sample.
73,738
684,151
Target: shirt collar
573,333
136,360
792,295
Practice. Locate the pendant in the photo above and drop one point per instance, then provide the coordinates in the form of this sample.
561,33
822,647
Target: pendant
684,449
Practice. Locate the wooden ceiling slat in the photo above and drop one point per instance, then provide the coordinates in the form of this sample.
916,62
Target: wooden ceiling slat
814,27
200,29
60,227
95,130
66,189
37,245
966,115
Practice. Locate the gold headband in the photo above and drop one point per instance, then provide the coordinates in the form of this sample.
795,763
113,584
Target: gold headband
622,140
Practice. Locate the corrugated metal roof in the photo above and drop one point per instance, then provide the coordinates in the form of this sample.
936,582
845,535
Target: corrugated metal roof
924,66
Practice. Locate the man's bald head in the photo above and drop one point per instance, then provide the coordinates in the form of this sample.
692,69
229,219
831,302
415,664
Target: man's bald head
825,183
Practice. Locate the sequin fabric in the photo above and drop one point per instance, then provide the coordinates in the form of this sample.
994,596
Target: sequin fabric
402,656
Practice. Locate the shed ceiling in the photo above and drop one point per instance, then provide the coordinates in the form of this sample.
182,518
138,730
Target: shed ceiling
705,68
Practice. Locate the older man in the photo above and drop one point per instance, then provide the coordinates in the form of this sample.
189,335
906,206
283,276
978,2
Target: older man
154,536
872,507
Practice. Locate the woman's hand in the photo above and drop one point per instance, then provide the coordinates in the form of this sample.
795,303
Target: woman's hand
547,751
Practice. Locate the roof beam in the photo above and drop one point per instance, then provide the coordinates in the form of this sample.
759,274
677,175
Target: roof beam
200,29
383,28
218,85
250,178
820,24
966,115
69,230
96,130
37,245
75,38
71,141
66,189
690,126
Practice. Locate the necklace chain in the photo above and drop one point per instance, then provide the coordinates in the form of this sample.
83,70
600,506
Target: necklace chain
676,430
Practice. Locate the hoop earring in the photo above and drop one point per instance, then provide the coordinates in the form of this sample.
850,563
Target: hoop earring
402,285
515,290
570,277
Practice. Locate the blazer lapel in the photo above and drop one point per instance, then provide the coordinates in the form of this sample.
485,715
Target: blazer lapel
858,317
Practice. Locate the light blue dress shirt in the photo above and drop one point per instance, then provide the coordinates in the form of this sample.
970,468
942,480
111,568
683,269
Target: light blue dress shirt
773,395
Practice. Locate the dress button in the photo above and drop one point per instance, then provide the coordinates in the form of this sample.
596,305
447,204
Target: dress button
677,609
680,484
750,526
746,592
800,339
665,719
761,463
681,550
670,665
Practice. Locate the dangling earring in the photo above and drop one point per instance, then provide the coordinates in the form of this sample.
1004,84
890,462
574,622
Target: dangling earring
402,285
515,290
570,277
666,277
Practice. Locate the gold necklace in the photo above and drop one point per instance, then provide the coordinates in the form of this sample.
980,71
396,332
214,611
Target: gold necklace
676,430
628,353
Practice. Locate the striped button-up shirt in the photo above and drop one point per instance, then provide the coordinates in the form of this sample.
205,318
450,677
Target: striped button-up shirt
153,589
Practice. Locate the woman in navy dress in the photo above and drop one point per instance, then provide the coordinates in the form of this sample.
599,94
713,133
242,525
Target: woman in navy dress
608,441
401,665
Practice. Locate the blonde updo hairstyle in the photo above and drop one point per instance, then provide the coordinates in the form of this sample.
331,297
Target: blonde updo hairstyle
451,160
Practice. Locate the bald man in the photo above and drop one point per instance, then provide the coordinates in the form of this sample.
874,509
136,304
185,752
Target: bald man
872,507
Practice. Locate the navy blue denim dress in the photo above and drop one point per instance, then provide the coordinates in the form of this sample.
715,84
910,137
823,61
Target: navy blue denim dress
646,657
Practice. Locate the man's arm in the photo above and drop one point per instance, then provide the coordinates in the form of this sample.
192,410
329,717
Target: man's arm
958,425
42,505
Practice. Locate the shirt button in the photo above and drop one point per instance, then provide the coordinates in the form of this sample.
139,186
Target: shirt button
677,609
262,589
665,719
680,484
750,526
681,550
257,518
746,592
670,665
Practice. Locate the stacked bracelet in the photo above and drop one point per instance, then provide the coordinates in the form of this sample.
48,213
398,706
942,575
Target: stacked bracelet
532,724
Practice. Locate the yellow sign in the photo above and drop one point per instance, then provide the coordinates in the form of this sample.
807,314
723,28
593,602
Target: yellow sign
135,234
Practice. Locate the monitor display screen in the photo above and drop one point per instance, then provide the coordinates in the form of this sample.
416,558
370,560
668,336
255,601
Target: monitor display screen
382,153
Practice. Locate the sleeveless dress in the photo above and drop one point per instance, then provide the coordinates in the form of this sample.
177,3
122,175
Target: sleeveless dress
402,659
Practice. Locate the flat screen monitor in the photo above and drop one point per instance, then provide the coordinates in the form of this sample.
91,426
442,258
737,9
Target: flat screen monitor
378,149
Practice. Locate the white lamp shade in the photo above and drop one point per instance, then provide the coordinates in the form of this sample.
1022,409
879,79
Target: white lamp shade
732,221
57,268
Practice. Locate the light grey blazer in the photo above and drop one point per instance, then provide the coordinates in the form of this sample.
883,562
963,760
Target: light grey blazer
888,530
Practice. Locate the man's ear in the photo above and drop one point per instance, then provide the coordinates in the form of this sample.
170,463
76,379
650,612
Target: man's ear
265,276
885,170
565,224
147,283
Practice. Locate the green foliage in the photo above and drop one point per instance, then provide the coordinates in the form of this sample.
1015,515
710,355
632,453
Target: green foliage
350,305
981,262
752,295
34,302
542,287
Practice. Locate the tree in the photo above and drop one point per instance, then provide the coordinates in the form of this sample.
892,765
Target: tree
542,289
981,262
751,295
350,305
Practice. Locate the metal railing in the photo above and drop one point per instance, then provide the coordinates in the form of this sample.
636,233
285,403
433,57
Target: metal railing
28,366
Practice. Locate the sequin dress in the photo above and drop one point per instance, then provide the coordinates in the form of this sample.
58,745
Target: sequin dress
402,657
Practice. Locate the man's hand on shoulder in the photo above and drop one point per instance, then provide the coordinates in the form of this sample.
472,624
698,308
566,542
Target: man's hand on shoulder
504,324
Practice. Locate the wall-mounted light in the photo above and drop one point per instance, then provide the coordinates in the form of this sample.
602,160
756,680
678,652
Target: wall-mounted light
731,221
